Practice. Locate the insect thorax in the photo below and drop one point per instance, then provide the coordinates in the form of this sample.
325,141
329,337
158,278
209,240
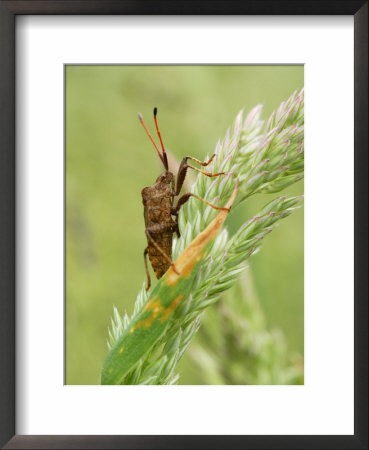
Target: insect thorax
156,192
157,200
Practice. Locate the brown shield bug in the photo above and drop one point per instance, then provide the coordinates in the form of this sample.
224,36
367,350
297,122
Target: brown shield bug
158,201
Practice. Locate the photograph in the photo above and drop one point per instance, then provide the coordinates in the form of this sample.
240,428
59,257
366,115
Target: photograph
184,224
161,226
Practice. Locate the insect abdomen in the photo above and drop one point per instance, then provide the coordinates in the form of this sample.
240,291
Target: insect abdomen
159,264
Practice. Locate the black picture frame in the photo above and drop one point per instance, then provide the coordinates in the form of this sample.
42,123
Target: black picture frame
8,12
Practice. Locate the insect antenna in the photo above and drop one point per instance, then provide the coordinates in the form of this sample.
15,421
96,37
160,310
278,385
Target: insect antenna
152,140
165,160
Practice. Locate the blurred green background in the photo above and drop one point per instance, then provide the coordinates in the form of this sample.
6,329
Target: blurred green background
109,159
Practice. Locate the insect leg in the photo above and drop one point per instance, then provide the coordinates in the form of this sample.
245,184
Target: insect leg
174,212
202,163
182,200
156,228
183,170
147,269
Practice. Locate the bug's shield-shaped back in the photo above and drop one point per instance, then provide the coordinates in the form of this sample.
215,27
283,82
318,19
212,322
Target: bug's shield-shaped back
150,324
